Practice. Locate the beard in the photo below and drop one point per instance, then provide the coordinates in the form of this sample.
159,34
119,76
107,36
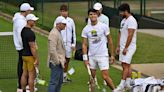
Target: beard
123,16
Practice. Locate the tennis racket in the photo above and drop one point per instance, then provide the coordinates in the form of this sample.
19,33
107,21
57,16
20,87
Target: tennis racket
91,81
38,80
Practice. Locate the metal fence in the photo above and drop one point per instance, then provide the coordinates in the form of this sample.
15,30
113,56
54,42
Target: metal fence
150,8
48,10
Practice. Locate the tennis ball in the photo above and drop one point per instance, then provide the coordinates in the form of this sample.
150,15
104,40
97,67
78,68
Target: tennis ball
41,82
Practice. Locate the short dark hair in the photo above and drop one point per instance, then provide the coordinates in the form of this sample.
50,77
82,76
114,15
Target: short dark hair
124,7
64,7
92,10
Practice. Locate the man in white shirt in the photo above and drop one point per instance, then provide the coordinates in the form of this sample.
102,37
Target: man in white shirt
126,44
19,22
69,38
101,17
96,35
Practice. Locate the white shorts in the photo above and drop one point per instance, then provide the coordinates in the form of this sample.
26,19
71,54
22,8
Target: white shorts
102,62
68,51
128,57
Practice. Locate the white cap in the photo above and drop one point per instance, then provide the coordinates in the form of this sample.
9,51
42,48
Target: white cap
97,6
31,17
61,19
25,7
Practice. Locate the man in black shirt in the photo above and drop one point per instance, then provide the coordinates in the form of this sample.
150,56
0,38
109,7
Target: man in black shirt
29,53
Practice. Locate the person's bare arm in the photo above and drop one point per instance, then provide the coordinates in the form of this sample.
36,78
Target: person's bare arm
110,44
129,39
33,49
118,44
84,50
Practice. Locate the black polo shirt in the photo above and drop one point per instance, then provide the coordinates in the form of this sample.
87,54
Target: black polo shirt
27,36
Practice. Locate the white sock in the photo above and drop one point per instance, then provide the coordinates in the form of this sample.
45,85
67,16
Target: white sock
65,74
128,81
122,83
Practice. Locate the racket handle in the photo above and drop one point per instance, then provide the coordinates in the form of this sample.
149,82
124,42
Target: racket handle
89,71
37,70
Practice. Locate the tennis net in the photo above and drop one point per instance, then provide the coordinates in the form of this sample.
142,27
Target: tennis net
8,56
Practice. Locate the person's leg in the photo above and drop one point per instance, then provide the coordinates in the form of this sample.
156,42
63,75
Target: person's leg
19,68
125,71
128,59
103,63
61,79
24,80
92,66
31,80
31,73
68,56
92,81
24,76
128,79
107,78
55,77
66,66
129,72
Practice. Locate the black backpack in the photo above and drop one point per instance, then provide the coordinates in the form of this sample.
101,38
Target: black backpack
78,53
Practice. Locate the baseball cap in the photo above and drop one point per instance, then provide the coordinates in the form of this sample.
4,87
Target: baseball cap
97,6
25,7
31,17
61,19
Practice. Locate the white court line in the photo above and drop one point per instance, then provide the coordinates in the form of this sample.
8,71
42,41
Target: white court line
156,12
6,34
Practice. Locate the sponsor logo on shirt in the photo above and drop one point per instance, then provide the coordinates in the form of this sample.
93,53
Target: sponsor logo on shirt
95,39
122,25
94,33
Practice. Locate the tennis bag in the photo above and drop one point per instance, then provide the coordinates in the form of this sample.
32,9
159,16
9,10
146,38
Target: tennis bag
78,53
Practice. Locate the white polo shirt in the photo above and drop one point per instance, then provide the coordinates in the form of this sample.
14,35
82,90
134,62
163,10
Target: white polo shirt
129,23
96,36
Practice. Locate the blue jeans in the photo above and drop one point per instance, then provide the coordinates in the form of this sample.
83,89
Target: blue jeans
56,79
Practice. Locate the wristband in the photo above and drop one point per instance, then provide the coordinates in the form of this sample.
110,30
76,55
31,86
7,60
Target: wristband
85,57
73,45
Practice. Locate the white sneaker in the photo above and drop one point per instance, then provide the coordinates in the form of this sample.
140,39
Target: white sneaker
114,90
67,80
27,89
128,86
120,88
104,82
128,83
19,90
36,89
